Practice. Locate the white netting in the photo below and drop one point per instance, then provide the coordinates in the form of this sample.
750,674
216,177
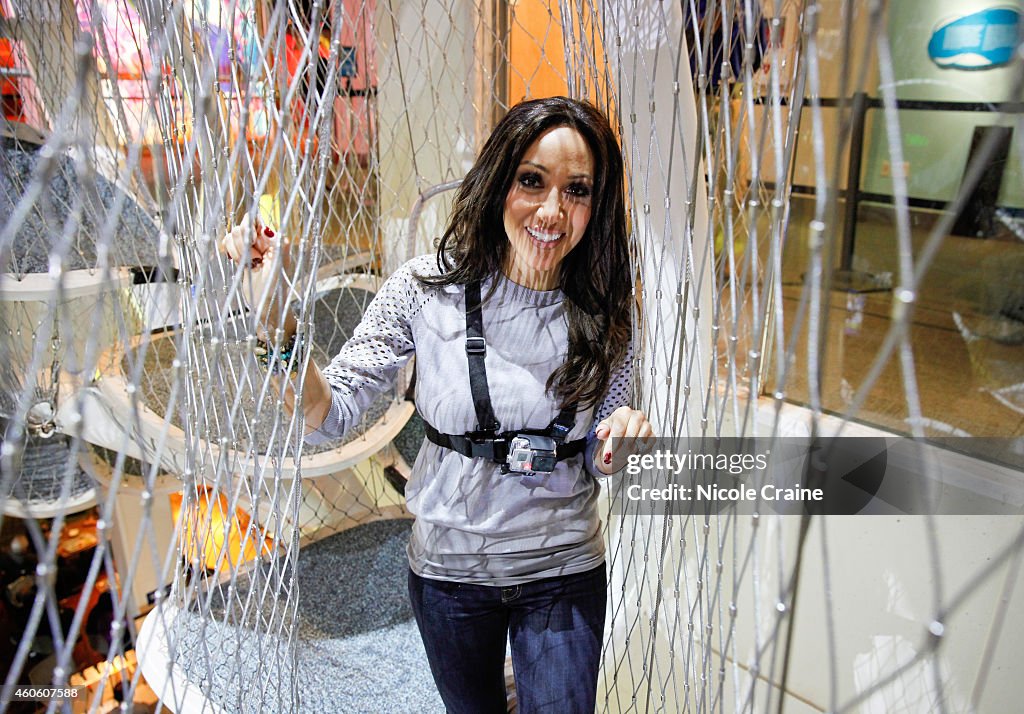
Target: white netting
160,508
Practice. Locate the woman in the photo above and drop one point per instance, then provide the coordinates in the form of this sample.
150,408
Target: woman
521,330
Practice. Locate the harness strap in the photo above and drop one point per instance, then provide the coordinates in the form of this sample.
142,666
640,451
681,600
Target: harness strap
563,423
476,350
493,447
486,442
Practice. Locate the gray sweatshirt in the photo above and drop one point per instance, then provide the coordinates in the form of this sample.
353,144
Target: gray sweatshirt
473,523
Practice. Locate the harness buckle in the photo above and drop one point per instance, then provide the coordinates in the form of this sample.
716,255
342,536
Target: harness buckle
487,443
559,432
476,346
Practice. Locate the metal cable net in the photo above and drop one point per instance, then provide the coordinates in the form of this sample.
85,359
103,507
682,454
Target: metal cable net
136,134
723,109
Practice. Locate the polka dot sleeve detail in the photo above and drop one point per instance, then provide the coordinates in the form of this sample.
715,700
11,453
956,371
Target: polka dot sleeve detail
620,389
619,394
369,363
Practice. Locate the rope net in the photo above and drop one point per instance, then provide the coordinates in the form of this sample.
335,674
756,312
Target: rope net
159,507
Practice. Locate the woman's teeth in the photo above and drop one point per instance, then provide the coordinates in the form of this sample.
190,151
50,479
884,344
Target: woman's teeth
543,236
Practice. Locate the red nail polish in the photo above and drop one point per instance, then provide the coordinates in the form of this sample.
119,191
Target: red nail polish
607,458
268,233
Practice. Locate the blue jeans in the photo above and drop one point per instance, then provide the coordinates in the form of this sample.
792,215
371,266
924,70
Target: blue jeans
555,626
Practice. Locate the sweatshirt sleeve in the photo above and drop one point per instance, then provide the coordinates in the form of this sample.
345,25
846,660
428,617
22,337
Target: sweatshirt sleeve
619,394
369,363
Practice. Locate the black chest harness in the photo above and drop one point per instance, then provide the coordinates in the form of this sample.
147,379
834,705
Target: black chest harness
521,451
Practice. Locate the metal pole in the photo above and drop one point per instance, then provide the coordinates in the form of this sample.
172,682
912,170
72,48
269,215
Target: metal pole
859,108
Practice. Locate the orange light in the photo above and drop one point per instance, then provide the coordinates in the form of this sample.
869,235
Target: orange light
211,535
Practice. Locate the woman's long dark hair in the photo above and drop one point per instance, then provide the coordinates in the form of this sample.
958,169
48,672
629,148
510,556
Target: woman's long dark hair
595,275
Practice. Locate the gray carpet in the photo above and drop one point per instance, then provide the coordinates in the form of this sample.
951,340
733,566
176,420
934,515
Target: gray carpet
71,206
409,440
358,646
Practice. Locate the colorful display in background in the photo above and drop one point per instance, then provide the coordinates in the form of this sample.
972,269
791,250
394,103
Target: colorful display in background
124,59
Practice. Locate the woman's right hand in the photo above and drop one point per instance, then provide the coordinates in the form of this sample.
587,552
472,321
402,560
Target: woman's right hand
259,246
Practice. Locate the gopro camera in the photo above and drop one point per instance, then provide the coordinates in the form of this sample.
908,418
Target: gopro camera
531,453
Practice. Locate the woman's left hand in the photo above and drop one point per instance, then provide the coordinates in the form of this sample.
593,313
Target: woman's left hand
623,433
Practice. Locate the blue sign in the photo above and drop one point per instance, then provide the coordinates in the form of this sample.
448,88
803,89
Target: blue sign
976,41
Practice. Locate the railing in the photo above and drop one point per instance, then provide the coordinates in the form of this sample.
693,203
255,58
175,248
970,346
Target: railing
859,104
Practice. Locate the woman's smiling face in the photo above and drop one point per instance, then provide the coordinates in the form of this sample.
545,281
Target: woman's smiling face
547,209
